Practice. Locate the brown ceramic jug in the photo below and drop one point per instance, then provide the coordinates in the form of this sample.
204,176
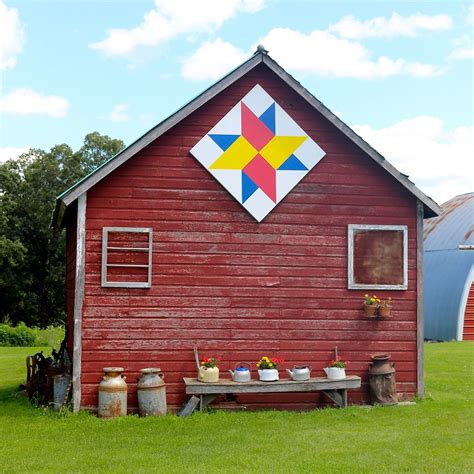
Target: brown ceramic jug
383,388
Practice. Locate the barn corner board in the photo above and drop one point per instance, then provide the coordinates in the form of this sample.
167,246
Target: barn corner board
231,226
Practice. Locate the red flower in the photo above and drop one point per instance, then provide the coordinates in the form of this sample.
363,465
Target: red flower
282,360
274,360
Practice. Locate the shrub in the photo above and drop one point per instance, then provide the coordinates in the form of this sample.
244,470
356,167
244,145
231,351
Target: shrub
20,335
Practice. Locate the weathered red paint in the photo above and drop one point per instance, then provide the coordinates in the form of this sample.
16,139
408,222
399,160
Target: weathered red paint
468,328
236,288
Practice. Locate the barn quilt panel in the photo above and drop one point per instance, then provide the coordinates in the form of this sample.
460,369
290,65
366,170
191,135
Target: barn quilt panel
257,152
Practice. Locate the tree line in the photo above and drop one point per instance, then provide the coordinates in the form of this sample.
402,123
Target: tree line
32,254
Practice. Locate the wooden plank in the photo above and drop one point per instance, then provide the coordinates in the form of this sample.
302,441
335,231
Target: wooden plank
194,387
420,371
189,406
79,300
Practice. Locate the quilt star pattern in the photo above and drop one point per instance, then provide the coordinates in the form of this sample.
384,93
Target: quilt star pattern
257,152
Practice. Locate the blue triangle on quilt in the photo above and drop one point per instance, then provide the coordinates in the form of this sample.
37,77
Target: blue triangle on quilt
292,164
224,141
248,187
268,118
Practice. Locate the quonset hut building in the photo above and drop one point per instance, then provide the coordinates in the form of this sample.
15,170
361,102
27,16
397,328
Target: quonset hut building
449,271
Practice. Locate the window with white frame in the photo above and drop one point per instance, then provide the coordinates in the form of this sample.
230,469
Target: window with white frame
126,257
377,257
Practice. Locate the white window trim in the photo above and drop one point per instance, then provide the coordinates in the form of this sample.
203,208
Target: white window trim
350,257
105,265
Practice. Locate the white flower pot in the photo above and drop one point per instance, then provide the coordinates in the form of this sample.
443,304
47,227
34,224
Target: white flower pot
268,375
208,375
335,373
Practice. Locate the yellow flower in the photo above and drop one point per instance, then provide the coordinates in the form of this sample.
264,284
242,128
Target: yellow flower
270,365
366,296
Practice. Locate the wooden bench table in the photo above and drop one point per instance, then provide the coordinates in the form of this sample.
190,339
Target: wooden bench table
203,394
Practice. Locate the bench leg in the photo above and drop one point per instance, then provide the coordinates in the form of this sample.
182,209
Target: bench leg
206,400
339,397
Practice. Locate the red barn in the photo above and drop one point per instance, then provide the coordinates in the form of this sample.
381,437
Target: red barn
251,222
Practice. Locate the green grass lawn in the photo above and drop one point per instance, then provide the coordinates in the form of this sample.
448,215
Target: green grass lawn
434,436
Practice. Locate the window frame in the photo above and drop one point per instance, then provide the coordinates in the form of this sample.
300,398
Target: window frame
352,228
105,265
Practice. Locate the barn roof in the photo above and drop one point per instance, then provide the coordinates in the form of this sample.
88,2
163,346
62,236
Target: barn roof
448,267
431,209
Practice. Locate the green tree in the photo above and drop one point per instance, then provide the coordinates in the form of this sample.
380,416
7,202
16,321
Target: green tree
32,255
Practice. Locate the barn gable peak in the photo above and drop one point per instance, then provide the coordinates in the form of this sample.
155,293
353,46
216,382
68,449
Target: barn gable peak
260,56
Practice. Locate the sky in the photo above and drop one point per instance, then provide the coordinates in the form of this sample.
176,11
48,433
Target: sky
399,73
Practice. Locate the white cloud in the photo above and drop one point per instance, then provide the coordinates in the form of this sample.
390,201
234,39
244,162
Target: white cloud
396,25
322,53
11,153
171,18
12,36
29,102
26,101
463,48
119,113
212,60
462,53
439,161
470,15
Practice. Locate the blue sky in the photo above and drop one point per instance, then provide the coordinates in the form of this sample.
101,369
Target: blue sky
399,73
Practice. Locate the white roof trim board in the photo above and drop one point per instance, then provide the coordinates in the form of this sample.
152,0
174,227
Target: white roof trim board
431,209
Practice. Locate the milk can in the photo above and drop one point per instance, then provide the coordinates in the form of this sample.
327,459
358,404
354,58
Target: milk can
60,390
151,392
383,388
112,393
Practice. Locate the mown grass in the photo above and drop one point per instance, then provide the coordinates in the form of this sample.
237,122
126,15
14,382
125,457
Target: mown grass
435,435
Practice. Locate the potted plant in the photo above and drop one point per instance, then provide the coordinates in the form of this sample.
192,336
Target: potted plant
208,370
385,308
336,369
268,368
370,305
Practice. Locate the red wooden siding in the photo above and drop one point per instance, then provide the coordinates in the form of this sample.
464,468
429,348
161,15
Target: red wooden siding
236,288
468,330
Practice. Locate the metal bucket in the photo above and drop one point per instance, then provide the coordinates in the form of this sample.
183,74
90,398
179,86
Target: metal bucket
151,393
60,386
112,393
